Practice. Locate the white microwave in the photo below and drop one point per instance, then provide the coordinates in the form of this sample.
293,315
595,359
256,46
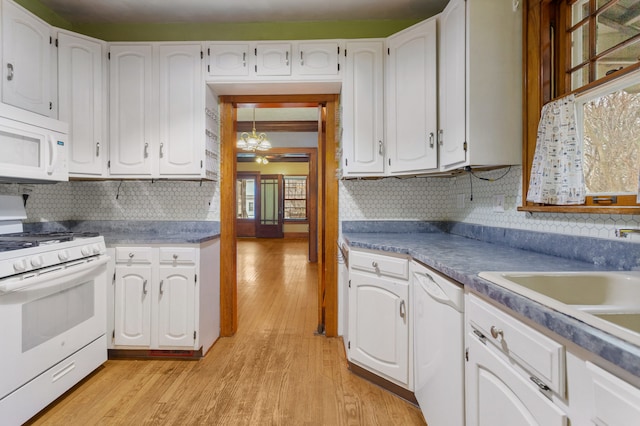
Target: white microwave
33,148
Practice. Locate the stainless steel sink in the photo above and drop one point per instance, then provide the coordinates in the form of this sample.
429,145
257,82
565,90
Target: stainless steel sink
606,300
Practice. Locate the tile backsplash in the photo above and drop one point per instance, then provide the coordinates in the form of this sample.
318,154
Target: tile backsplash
468,198
121,200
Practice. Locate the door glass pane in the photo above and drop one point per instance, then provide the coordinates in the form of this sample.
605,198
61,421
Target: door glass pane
245,196
269,201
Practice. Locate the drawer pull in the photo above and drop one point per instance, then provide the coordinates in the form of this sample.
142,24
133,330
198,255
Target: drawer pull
374,264
496,332
539,383
175,257
131,255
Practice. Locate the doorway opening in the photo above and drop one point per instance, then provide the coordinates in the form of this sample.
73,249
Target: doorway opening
325,222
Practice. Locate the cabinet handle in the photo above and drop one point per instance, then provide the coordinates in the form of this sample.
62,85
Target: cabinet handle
161,287
9,71
131,255
161,149
146,149
301,58
431,136
441,137
496,332
144,287
403,310
97,149
175,257
244,59
380,150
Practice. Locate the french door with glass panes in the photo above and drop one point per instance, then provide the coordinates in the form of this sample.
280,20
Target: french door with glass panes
271,214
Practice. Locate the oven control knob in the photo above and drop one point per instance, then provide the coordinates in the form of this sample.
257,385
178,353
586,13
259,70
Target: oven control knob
36,261
96,249
86,251
63,255
19,265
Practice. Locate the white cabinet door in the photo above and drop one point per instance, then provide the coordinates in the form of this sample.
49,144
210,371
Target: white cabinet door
181,138
316,58
411,115
133,306
81,103
379,325
452,100
273,59
132,98
228,59
176,306
362,110
496,395
26,57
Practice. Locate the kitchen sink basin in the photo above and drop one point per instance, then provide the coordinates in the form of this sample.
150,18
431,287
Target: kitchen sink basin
606,300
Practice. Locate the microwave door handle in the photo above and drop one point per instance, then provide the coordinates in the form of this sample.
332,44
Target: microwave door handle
77,273
54,155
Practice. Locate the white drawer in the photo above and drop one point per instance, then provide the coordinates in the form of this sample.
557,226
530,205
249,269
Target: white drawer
541,356
379,264
133,254
180,255
615,402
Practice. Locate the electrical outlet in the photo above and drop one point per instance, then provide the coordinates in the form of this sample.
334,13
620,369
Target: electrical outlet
498,203
460,201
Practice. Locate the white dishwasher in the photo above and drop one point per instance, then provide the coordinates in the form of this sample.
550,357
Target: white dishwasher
438,344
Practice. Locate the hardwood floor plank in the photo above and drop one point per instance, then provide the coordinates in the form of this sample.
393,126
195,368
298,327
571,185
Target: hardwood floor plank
274,371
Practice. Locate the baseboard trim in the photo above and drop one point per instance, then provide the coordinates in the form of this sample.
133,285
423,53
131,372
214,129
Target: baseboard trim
296,235
154,354
403,393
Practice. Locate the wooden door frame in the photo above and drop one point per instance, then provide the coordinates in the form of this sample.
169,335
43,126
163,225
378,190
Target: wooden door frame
327,204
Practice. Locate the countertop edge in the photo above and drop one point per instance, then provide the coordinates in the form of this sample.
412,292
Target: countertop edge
613,349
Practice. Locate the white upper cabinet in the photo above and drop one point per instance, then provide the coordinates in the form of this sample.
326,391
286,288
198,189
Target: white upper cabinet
480,81
157,111
181,110
81,99
412,100
260,61
363,149
273,59
131,110
316,58
26,57
228,59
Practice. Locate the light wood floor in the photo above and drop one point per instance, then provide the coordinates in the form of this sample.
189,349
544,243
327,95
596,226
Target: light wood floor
274,371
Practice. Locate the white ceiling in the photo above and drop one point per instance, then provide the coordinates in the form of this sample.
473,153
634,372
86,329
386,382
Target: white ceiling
181,11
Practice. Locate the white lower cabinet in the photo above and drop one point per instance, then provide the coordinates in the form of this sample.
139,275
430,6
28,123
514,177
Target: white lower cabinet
513,374
165,297
519,373
379,339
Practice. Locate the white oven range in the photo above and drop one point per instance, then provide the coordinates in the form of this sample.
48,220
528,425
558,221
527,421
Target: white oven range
52,315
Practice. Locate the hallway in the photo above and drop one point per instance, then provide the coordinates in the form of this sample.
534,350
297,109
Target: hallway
274,371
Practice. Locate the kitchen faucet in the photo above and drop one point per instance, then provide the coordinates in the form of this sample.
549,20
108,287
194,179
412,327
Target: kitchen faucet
626,231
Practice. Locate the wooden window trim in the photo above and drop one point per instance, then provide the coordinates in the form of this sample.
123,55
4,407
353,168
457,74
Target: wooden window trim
540,86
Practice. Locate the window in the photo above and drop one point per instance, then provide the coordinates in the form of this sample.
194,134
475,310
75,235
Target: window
295,198
590,48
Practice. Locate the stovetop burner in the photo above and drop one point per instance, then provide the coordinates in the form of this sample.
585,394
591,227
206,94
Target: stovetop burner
21,240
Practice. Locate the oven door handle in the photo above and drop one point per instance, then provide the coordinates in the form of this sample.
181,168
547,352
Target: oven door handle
57,277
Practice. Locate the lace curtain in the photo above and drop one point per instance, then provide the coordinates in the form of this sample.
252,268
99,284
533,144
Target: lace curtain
556,174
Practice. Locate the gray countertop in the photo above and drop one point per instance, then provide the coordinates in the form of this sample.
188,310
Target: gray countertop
139,232
463,258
